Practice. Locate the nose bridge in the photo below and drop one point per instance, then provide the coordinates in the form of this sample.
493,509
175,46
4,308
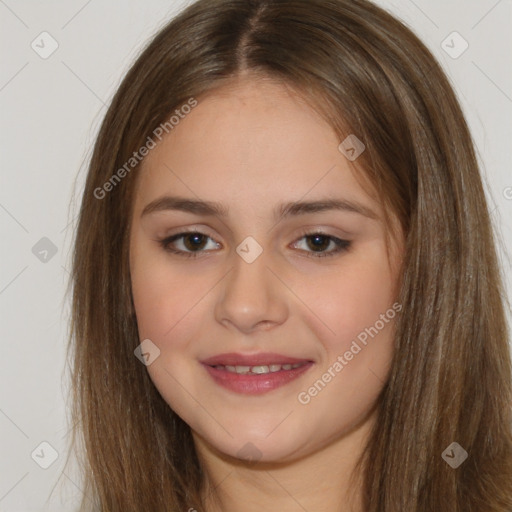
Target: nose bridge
251,294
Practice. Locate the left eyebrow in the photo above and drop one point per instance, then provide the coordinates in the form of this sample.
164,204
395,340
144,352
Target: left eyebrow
210,208
305,207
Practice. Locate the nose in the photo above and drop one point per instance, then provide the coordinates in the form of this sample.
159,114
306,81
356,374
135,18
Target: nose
252,298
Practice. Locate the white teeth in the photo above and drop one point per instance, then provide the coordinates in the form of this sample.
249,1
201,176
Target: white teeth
259,369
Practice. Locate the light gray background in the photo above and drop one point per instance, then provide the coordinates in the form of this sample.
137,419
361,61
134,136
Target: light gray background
51,109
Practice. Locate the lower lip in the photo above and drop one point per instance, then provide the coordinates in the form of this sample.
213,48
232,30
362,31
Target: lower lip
248,384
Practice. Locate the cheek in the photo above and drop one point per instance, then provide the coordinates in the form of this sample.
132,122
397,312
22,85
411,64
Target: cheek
359,312
355,366
164,300
348,302
168,308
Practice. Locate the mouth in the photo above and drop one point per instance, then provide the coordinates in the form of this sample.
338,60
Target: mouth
259,369
255,374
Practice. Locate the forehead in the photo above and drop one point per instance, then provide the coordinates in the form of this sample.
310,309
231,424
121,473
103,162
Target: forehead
251,142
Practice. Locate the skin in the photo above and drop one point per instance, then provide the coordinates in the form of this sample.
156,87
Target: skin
252,146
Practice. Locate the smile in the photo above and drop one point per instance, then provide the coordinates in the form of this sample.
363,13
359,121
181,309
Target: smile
259,370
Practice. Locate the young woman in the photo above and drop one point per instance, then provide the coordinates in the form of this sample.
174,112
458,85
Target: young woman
285,286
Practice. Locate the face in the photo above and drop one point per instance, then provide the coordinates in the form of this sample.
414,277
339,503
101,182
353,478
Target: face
254,284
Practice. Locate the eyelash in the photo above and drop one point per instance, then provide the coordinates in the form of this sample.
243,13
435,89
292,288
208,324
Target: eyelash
341,245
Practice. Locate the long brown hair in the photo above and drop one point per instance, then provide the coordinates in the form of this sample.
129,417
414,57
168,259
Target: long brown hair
451,378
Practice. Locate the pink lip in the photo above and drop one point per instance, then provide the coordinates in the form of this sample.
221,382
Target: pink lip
254,384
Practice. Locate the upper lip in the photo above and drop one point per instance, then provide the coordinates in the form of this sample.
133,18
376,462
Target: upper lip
261,359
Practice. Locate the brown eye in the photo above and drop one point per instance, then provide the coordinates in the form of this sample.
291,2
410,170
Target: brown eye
192,242
318,243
